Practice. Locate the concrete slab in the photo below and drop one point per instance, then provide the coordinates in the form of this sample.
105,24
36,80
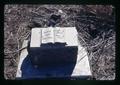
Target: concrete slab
26,70
23,55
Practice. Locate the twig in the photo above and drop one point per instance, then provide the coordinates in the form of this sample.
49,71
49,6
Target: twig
27,34
82,58
82,39
16,50
18,46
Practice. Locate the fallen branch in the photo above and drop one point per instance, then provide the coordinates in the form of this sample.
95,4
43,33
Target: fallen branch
16,50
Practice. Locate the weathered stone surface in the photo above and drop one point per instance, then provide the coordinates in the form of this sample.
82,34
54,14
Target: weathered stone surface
35,38
23,55
70,36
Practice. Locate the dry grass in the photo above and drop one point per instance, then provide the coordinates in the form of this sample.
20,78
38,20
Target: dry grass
98,18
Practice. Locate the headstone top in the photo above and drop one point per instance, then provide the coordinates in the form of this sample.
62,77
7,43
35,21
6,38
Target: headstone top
66,35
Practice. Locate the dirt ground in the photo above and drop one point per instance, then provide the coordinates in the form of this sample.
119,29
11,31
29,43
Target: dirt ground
94,23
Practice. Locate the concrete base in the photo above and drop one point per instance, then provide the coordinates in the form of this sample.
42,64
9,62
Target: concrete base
80,69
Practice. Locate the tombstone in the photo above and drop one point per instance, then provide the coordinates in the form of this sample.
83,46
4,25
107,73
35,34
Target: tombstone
53,46
54,52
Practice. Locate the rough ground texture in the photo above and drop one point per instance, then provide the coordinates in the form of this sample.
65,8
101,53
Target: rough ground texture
94,23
